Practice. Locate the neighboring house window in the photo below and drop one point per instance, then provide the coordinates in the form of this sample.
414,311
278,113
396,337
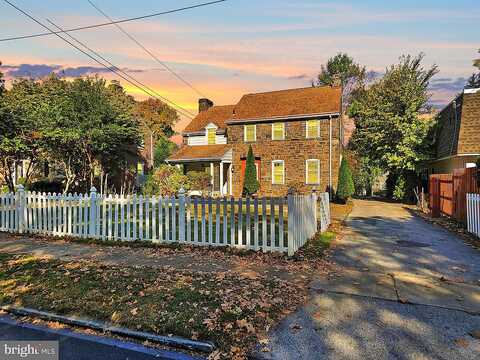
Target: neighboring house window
278,172
250,133
278,131
211,135
313,129
313,171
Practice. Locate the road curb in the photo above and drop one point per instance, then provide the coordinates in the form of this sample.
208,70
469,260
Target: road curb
173,341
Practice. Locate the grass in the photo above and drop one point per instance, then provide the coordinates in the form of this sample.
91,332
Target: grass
232,310
315,247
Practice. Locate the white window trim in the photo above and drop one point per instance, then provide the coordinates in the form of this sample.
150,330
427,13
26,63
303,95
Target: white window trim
306,171
283,133
273,172
245,132
307,135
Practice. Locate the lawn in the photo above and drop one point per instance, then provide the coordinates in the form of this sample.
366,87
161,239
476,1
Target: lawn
233,310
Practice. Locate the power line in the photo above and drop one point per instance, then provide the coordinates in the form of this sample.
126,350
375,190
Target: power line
112,22
131,37
82,51
139,85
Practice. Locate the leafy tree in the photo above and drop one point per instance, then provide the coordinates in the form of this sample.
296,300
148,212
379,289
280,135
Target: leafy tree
157,117
2,82
345,188
474,80
18,128
344,71
389,130
109,132
163,149
250,182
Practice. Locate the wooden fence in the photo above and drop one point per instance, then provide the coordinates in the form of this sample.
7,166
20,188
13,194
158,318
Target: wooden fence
448,193
267,224
473,213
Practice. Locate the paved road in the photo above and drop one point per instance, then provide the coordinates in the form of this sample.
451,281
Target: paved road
76,346
404,289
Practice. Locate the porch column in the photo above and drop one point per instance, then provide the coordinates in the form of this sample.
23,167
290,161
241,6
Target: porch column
230,179
221,178
212,175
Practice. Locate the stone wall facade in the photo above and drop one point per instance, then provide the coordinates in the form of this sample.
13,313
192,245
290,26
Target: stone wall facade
294,150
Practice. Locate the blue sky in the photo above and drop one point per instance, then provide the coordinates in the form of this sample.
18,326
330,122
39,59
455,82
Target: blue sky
243,46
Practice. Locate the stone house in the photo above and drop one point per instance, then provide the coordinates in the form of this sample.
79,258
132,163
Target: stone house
457,139
295,135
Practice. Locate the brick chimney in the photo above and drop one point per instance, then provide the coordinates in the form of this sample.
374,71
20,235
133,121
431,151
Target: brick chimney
204,104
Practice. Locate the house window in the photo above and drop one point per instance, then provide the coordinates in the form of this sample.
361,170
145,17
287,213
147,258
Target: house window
278,172
313,129
278,131
250,133
211,135
313,171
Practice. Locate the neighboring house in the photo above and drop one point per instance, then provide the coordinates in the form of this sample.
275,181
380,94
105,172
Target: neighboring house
458,133
295,135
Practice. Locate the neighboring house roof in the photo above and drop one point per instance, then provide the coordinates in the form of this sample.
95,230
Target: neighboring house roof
288,103
216,115
458,124
200,152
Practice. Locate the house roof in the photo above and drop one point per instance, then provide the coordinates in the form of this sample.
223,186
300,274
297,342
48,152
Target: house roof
288,103
201,152
216,114
270,105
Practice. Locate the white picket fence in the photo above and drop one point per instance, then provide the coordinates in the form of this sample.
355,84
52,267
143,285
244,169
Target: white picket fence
267,224
473,213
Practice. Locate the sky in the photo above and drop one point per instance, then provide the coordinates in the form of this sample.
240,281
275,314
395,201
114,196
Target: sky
244,46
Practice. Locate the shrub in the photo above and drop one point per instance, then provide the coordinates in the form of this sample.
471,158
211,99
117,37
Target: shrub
346,187
199,180
166,180
250,183
46,185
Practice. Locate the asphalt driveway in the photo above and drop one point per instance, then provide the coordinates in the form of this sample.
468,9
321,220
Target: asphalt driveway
402,289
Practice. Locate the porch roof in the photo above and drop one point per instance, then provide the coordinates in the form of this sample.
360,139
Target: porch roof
199,153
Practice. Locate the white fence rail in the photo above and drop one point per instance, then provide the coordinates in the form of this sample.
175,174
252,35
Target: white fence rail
267,224
473,213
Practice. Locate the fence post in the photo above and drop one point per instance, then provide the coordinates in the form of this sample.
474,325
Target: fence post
291,225
93,213
181,215
21,209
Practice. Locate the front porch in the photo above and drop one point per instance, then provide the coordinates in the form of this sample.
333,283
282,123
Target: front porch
215,160
220,173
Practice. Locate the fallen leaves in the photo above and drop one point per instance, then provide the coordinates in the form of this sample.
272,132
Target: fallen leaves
234,310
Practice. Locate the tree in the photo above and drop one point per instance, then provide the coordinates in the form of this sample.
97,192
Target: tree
2,82
163,149
474,80
345,188
250,182
388,127
18,128
344,71
157,117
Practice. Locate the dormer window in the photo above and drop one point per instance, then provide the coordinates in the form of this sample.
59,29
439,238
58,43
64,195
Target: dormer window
211,136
